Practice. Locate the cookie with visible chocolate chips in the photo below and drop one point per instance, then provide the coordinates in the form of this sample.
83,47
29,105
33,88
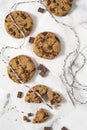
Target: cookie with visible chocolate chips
41,116
54,97
18,21
59,7
24,69
33,97
46,45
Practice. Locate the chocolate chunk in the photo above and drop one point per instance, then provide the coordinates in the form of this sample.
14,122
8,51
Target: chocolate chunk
47,128
42,74
64,128
23,16
40,67
63,8
31,40
43,70
26,119
44,33
20,94
30,114
48,2
41,10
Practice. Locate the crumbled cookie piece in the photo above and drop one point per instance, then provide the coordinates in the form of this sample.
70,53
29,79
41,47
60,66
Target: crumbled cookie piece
54,97
41,10
41,116
19,94
33,97
25,118
31,40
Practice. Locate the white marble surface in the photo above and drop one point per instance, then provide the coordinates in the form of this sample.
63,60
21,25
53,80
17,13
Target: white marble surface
66,115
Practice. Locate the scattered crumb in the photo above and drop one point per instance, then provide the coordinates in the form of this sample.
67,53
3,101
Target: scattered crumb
30,114
25,118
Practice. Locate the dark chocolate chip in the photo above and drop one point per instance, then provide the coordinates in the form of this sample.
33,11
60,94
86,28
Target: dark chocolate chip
20,94
47,128
30,114
23,16
64,128
49,47
25,24
63,8
10,30
31,40
44,33
41,10
48,2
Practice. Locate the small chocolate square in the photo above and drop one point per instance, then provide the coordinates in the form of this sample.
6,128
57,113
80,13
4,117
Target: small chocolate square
42,74
40,67
44,69
41,10
20,94
31,40
47,128
64,128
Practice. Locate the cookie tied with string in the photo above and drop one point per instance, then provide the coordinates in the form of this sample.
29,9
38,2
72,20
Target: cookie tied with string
59,7
21,69
18,24
47,45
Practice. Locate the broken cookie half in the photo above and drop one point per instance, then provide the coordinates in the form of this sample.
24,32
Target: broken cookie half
41,116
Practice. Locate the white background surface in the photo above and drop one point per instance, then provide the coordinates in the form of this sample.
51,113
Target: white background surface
73,118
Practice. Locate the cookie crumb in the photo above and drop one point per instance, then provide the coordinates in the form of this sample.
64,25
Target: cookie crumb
20,94
31,40
41,116
47,128
64,128
22,111
26,119
41,10
30,114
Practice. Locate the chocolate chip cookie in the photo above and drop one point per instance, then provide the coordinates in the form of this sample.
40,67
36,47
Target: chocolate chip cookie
33,97
59,7
46,45
24,69
54,97
41,116
18,21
